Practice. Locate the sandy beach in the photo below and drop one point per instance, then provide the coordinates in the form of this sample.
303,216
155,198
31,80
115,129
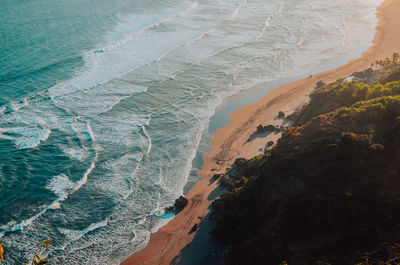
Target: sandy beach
230,142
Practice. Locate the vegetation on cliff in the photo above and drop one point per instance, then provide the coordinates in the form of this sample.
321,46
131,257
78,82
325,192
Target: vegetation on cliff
329,191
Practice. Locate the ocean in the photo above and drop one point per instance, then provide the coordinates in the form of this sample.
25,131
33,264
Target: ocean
105,106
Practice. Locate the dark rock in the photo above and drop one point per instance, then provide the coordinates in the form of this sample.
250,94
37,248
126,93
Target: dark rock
358,74
260,128
240,161
269,128
233,174
194,228
281,114
363,75
369,73
270,143
216,176
368,76
227,181
320,84
170,209
180,203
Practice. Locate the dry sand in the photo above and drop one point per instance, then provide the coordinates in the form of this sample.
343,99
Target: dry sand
230,141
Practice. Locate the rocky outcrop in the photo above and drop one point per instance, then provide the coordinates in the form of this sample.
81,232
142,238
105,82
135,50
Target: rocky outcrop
179,205
320,84
365,74
267,128
233,174
216,176
227,181
368,76
194,228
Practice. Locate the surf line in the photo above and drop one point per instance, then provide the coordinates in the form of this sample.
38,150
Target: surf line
55,205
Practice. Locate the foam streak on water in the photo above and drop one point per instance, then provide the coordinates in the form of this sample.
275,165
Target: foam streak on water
92,159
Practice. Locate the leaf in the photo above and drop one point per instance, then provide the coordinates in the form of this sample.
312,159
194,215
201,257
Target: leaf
47,242
1,250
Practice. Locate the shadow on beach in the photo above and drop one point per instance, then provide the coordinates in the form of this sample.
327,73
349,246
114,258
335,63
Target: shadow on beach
203,250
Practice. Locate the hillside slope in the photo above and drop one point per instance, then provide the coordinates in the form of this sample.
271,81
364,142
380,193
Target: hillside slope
329,191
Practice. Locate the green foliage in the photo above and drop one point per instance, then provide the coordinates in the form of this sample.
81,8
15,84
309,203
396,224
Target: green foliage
328,190
377,110
377,147
260,160
344,95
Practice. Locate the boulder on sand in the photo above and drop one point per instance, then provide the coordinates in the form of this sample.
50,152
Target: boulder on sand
180,203
269,128
260,128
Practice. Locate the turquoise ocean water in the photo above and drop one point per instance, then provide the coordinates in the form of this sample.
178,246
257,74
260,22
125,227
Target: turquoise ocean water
105,106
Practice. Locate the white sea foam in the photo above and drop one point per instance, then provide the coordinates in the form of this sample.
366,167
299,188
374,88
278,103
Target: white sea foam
147,22
98,69
15,106
74,235
60,186
25,137
147,135
74,153
237,9
117,178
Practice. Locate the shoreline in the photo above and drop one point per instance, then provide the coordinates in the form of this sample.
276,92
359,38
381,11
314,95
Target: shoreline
230,141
